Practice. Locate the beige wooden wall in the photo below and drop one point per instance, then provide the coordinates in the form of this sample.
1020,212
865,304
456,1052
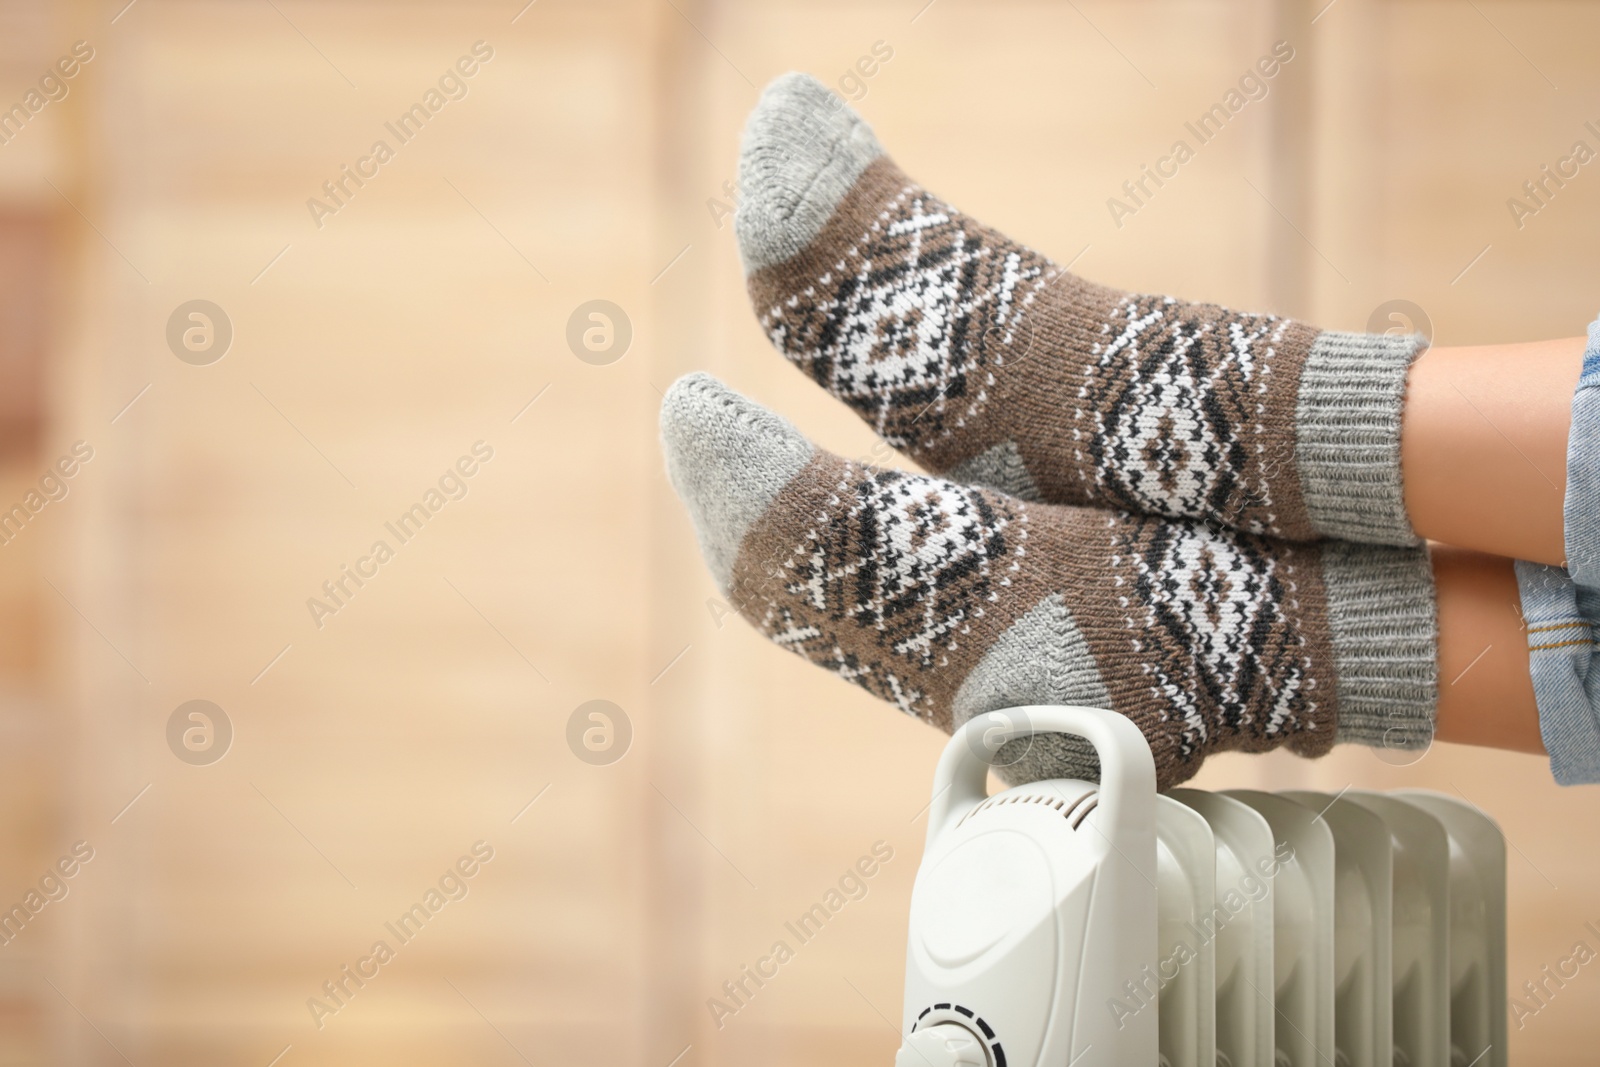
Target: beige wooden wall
371,352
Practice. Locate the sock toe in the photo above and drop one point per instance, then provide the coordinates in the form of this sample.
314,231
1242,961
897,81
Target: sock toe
803,149
728,458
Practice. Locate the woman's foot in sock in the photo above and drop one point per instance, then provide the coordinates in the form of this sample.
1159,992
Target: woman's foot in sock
989,363
949,600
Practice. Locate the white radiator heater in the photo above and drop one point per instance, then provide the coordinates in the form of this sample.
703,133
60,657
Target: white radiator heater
1069,923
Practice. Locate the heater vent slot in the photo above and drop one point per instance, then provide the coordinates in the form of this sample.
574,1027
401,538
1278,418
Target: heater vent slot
1083,812
1074,811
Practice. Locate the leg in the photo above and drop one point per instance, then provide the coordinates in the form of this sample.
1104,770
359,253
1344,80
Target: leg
1483,446
991,365
1485,692
950,600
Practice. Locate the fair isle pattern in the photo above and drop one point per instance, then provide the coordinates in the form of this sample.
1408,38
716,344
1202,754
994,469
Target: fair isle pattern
911,324
1213,618
889,580
1170,412
958,345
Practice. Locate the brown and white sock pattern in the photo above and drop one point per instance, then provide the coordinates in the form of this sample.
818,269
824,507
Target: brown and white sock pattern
950,600
987,362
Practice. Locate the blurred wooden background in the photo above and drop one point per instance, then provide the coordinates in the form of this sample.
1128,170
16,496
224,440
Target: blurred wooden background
586,162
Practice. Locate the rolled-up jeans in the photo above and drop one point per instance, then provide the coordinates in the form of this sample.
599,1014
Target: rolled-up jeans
1561,605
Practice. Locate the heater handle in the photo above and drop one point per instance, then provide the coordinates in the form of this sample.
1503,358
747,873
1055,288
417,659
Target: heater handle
1127,802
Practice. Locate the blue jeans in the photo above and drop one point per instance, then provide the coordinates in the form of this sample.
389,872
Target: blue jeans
1561,606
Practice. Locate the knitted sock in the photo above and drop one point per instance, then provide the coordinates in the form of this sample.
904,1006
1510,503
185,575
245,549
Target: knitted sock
949,600
987,362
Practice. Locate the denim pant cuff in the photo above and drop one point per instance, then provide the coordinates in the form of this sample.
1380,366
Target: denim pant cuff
1582,504
1561,605
1561,657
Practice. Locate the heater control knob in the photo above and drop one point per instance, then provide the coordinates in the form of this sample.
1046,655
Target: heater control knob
943,1045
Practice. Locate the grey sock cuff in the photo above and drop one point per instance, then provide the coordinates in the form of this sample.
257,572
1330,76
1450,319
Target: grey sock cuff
1347,448
1385,643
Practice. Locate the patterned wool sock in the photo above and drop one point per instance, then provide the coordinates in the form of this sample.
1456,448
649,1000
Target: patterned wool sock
990,364
949,600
